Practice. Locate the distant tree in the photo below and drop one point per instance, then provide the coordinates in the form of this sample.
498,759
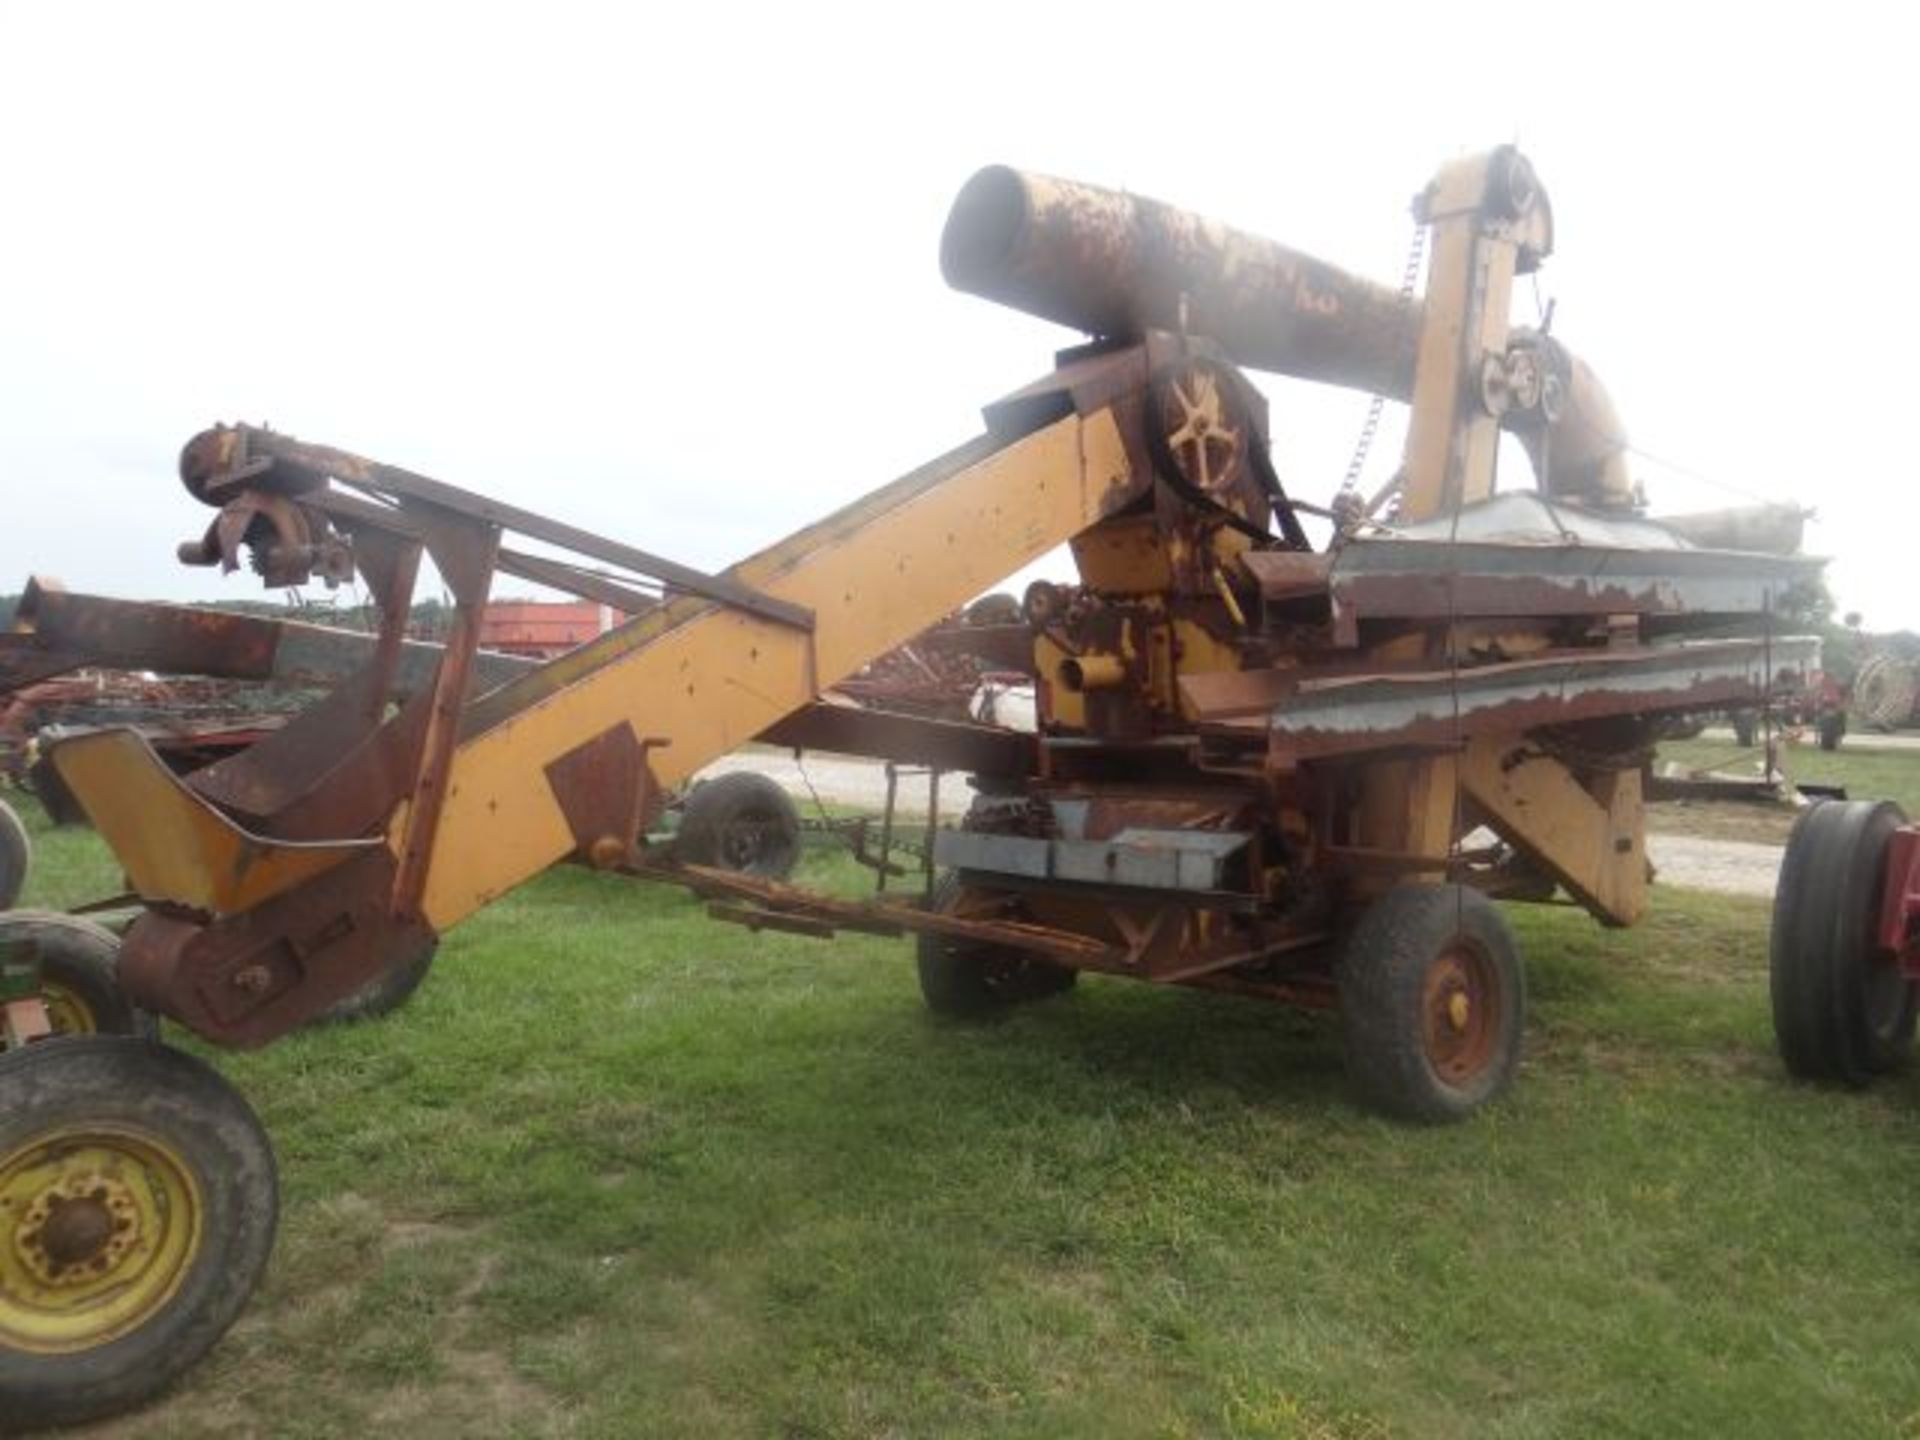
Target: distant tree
1806,606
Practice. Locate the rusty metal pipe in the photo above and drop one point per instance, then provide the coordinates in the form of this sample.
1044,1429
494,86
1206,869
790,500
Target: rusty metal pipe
1117,265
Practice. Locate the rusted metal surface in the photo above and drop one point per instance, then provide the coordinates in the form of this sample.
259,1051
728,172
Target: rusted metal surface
300,755
1240,742
465,554
1118,265
232,466
775,900
253,976
99,631
1899,926
175,847
1438,708
608,795
1388,579
951,745
189,721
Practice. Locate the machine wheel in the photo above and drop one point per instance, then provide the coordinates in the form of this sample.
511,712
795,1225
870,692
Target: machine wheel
998,608
16,856
383,994
79,974
1433,1001
970,981
1841,1008
1833,729
138,1202
741,822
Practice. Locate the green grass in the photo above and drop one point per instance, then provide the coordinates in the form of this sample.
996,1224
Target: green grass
1866,774
622,1171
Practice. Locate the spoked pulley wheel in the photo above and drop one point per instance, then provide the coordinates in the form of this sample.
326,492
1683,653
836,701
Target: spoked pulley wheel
1198,433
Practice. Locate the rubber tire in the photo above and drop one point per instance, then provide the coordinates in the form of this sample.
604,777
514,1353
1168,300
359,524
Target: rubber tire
1833,729
85,958
384,994
965,981
714,807
1746,726
16,856
162,1091
1821,954
1382,975
999,608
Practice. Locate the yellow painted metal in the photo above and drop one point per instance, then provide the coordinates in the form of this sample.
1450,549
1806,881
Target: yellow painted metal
1451,439
1411,806
1198,652
1459,1010
1063,706
174,846
1092,671
712,678
1125,557
1593,842
67,1010
99,1225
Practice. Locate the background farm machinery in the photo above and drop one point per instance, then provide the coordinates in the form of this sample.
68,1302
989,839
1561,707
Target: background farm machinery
1256,767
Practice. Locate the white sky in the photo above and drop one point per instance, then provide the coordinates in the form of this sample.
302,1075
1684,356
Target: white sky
670,272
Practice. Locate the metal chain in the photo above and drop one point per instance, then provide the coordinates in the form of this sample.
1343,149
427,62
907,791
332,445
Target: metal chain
1409,277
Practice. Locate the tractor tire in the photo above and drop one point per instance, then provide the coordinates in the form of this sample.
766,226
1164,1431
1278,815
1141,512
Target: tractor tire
79,974
964,980
56,797
1833,729
385,993
141,1201
16,856
1433,1003
998,608
742,822
1842,1010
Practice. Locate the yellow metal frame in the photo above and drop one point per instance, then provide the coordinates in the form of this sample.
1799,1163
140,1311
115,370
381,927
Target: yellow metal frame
712,678
174,846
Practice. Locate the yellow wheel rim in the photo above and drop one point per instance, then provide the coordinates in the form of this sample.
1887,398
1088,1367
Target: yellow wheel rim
67,1012
99,1224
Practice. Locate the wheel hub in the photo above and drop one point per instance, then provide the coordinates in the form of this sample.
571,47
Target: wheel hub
67,1012
77,1230
98,1228
1462,1007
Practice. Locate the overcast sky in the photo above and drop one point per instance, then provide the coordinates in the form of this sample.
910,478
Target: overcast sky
670,271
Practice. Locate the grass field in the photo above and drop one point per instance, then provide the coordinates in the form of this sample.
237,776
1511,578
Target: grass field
1866,774
622,1171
